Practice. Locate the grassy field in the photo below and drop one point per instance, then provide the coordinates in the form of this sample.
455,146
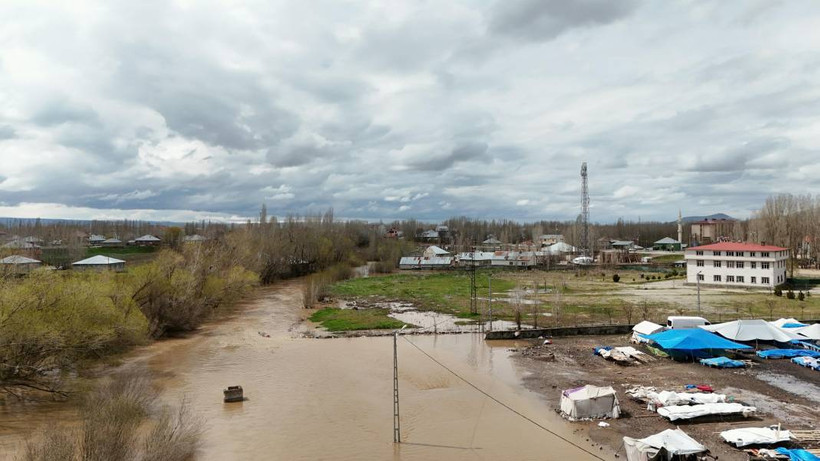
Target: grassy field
560,298
447,292
348,319
132,254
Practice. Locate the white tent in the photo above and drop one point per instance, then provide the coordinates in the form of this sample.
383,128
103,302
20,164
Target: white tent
751,330
645,328
560,247
662,446
780,322
590,402
810,332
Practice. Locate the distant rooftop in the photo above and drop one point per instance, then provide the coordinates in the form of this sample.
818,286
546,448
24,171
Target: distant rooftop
736,246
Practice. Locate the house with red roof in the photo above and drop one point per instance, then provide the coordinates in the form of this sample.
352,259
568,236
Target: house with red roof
735,264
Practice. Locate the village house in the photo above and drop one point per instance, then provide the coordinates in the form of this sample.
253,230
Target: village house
18,264
667,244
147,240
550,239
736,264
99,263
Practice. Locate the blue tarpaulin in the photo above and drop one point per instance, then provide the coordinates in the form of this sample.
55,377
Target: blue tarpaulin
787,353
794,325
723,362
797,454
692,339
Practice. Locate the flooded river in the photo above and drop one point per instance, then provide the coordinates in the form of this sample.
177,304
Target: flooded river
331,398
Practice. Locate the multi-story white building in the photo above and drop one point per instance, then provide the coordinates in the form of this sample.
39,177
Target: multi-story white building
737,264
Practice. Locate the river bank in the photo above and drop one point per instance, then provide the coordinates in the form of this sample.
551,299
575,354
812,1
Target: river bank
331,399
782,391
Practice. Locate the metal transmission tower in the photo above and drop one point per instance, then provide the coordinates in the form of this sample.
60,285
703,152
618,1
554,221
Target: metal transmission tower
584,211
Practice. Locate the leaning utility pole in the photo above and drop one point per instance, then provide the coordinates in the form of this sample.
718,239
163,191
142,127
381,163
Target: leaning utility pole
584,211
490,299
473,288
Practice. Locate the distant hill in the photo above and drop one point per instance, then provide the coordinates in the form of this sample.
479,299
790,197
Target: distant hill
688,219
10,222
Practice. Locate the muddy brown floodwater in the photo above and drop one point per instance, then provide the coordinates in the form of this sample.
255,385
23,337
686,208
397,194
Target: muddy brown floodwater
332,398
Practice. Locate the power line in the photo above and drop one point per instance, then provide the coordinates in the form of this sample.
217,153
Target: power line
502,403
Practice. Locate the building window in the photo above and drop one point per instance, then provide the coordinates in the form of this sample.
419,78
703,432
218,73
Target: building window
700,263
730,253
730,264
765,254
739,279
754,265
764,265
739,264
730,278
716,253
752,254
716,263
700,276
699,253
739,253
764,280
716,278
754,279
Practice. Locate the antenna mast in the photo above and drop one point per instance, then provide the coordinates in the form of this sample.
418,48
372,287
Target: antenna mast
584,211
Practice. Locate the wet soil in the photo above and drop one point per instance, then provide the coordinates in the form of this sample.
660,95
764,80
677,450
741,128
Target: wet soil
782,391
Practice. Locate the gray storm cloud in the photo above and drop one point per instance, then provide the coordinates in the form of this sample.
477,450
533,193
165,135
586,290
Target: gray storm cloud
419,109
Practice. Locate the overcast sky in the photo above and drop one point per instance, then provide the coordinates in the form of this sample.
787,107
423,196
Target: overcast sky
428,109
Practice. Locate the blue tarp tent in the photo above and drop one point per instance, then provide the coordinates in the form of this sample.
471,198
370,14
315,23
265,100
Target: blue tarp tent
787,353
693,342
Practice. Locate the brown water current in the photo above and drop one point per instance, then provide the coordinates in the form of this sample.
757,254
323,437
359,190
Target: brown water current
331,398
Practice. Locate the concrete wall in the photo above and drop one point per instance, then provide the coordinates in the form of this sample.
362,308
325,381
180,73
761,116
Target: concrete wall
562,331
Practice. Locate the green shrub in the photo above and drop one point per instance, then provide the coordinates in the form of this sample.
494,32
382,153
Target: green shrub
790,294
616,278
778,291
801,296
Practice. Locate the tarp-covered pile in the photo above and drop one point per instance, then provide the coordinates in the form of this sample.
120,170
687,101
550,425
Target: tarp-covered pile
809,362
662,446
751,330
676,412
797,454
622,354
722,362
590,402
787,353
755,436
788,323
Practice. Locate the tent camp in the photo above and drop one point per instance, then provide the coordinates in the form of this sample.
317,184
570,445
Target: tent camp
811,332
751,330
662,446
692,342
645,328
590,402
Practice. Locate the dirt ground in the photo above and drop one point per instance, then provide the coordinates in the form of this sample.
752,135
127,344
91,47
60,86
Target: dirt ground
783,392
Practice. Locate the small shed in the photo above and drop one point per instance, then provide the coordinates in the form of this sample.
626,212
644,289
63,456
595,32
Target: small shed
100,262
590,402
112,242
434,252
95,239
667,244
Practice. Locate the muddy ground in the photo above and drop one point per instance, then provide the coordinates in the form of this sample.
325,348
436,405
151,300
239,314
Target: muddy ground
783,392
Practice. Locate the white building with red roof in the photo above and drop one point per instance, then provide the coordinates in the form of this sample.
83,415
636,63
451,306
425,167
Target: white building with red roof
736,264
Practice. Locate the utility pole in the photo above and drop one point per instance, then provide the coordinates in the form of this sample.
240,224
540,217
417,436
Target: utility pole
396,422
584,211
490,298
698,278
